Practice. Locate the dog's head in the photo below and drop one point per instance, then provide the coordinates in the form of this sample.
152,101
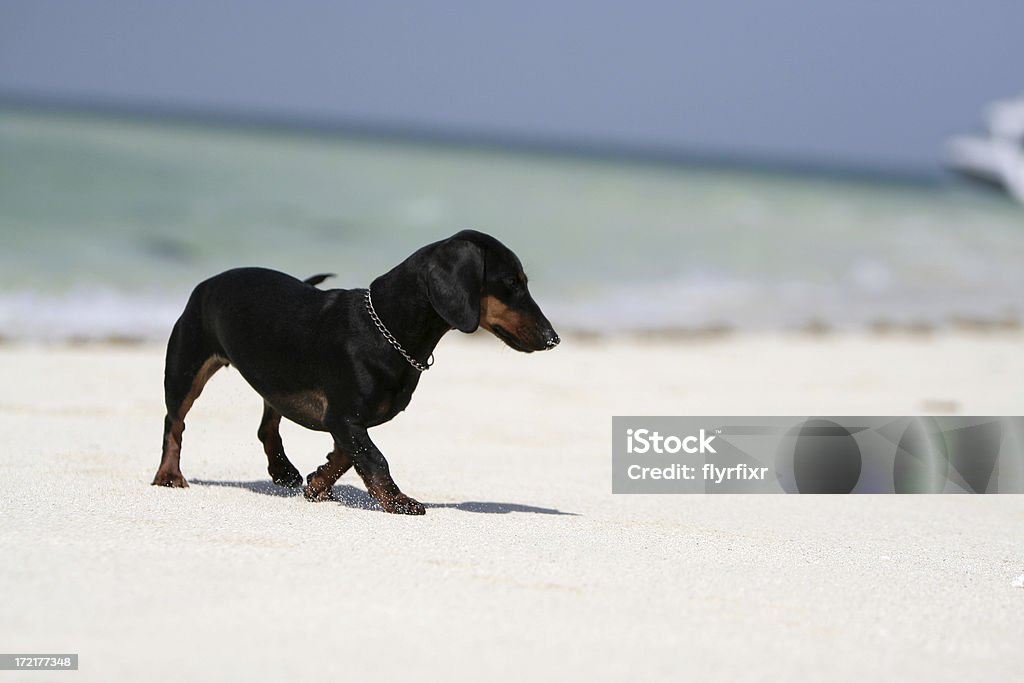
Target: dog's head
473,280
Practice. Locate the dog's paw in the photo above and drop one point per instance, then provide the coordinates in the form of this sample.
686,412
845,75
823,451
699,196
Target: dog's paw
174,480
317,495
404,505
286,477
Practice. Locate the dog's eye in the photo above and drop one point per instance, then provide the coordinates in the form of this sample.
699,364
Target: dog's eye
511,282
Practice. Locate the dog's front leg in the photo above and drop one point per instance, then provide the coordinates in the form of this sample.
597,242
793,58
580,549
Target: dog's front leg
371,465
352,446
319,483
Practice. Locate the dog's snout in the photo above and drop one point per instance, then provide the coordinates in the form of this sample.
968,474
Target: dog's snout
552,340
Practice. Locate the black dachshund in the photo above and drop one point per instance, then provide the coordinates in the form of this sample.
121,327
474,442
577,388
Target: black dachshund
342,360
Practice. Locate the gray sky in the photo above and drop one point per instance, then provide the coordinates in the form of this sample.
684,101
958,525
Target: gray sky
862,84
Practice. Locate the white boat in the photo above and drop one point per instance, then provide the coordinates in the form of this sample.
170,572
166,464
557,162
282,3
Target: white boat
999,156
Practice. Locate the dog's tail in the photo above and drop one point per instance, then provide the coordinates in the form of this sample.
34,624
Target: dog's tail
317,279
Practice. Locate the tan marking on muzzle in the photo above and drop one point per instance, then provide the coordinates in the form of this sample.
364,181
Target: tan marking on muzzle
494,312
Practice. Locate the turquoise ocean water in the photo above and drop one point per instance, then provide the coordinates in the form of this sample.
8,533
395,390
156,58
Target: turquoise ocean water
107,223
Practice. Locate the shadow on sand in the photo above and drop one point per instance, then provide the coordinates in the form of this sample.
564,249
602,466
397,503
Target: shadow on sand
352,497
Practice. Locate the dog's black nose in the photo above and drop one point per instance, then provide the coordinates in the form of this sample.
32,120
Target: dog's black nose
552,340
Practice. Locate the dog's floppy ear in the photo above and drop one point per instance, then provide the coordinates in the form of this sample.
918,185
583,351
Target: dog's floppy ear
455,278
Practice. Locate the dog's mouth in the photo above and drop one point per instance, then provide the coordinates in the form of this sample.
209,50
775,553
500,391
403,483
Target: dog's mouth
510,341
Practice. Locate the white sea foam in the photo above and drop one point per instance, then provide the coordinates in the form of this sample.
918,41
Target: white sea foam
696,302
87,314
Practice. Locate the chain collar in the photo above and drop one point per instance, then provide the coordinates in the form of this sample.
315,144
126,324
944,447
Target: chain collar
391,338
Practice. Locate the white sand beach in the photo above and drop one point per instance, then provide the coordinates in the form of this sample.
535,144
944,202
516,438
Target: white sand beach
526,567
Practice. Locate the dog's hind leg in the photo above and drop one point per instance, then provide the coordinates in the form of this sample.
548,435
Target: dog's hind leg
281,470
189,367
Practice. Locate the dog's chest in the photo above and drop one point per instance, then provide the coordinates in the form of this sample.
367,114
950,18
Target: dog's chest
388,404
